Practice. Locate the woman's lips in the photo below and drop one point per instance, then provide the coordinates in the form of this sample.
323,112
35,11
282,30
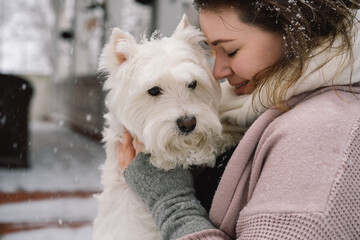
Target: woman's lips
242,88
242,84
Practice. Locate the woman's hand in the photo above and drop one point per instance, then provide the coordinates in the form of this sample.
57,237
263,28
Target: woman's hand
127,151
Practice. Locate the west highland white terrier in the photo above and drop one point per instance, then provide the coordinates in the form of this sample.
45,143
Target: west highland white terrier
163,92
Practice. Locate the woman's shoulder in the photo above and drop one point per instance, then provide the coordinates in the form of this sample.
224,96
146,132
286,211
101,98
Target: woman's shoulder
323,110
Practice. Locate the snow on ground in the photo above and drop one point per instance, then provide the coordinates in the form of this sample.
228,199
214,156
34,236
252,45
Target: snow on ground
52,234
60,160
45,211
59,210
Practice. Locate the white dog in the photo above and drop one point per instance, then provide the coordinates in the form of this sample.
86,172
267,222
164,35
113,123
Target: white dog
163,92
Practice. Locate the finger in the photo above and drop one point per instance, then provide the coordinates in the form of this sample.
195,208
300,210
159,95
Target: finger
126,151
121,156
127,139
129,156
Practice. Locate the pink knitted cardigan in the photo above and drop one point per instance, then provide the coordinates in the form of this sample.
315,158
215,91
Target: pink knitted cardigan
294,175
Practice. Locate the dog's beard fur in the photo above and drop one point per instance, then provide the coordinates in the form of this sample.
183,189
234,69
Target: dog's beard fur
169,147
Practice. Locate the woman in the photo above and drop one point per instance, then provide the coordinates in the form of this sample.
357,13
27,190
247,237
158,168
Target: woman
294,69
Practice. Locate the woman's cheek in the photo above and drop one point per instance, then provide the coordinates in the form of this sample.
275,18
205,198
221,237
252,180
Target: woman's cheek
242,69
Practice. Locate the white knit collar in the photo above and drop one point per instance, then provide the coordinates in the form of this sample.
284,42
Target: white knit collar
237,113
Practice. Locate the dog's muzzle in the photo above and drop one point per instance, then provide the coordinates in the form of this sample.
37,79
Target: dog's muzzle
186,124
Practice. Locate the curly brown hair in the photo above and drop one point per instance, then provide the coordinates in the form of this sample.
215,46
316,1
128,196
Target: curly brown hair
304,24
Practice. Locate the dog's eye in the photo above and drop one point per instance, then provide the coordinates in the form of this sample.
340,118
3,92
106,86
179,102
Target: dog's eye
193,84
155,91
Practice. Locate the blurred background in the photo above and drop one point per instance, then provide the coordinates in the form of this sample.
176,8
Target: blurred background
52,106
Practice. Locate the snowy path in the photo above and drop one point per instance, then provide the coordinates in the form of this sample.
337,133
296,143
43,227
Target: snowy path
54,198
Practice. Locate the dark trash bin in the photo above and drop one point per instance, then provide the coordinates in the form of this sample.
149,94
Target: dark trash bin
15,96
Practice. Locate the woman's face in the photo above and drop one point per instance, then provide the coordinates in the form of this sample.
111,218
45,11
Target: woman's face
242,50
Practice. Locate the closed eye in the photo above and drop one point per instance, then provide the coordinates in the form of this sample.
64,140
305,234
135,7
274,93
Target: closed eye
193,84
233,53
155,91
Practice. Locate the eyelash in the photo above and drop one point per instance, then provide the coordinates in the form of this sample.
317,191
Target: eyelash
233,53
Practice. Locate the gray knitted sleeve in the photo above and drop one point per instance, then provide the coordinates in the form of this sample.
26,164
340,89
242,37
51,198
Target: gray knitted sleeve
170,196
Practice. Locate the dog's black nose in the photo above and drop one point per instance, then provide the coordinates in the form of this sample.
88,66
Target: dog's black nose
186,124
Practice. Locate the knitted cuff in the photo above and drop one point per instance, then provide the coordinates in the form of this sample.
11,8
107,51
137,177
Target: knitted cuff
180,214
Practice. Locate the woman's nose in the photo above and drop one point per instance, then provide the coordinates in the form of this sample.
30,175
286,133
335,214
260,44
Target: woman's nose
221,68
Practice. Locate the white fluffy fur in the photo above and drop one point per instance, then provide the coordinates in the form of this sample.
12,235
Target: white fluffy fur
171,64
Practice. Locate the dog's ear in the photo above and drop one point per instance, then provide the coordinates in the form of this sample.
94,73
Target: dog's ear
121,45
184,23
186,32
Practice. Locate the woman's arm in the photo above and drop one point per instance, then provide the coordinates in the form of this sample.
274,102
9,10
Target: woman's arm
170,195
